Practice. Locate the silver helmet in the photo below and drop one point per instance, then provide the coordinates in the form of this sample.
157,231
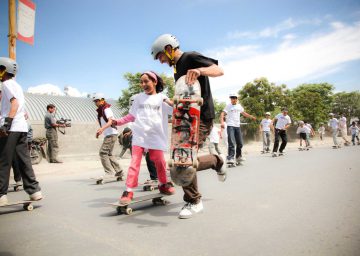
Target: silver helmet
161,42
10,65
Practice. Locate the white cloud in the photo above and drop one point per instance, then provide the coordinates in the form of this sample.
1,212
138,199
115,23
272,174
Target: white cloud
48,89
311,57
273,31
73,92
51,89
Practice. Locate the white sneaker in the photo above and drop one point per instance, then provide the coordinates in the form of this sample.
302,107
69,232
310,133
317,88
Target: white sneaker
274,154
240,159
3,200
190,209
230,161
19,183
222,172
36,196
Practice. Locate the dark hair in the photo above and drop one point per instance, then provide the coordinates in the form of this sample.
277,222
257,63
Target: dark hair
160,81
50,106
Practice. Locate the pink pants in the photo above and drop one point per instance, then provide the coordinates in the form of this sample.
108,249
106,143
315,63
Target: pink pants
157,156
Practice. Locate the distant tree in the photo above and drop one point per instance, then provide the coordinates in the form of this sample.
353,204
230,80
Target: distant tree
312,102
260,96
219,107
134,88
347,103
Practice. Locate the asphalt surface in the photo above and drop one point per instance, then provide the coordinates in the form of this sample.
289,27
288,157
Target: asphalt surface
304,203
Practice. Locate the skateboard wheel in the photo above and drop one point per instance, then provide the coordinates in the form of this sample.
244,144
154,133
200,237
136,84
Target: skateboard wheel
144,188
151,188
195,164
119,210
128,211
28,207
171,163
200,102
102,182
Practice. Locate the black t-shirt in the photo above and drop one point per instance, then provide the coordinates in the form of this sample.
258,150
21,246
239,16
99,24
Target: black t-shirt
192,60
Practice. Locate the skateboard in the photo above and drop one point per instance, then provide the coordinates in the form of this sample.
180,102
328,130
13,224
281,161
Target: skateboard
185,132
303,148
16,187
103,180
157,199
150,185
27,204
277,155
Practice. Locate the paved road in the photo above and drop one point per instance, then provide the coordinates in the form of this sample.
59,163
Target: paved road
305,203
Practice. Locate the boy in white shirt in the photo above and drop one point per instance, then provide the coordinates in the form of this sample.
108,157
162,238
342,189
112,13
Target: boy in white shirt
13,134
303,130
282,122
343,129
310,132
265,126
233,112
334,124
354,130
321,131
214,138
105,118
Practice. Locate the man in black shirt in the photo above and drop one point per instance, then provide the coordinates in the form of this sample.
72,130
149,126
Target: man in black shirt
166,49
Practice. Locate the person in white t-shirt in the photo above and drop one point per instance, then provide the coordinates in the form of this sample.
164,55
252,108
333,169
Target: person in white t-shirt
105,118
303,131
310,132
149,114
13,134
282,121
265,126
334,124
214,138
343,129
232,112
321,131
354,131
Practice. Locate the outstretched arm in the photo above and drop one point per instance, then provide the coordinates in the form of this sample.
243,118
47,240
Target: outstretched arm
248,115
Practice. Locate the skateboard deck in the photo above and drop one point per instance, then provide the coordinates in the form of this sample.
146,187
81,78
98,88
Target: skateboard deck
27,204
303,149
103,180
157,199
185,132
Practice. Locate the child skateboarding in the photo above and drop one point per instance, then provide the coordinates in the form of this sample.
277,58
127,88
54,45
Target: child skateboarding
149,114
303,130
282,121
166,49
13,134
265,126
105,118
354,131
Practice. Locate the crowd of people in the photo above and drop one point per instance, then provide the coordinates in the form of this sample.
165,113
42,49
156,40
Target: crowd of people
148,135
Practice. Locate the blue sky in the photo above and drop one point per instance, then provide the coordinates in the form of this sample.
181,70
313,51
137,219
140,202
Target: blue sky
89,45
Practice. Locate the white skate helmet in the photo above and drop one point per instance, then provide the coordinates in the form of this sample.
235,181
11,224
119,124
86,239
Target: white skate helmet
161,42
10,65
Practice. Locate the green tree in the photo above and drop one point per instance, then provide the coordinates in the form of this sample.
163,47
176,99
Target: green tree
219,107
347,103
260,96
312,102
134,88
